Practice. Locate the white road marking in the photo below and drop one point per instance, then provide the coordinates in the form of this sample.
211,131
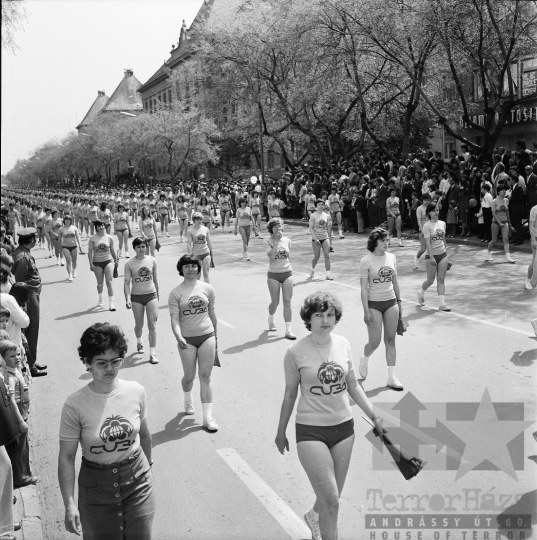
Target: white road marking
454,314
224,323
288,520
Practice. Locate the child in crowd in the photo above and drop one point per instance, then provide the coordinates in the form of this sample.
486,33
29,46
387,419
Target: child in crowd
4,317
19,394
452,218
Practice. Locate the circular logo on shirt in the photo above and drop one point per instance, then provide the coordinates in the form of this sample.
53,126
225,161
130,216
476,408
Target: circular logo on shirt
200,239
195,302
101,248
438,235
330,373
115,428
144,272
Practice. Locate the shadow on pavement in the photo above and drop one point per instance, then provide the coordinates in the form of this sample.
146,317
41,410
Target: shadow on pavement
377,391
80,313
524,359
261,340
54,282
176,429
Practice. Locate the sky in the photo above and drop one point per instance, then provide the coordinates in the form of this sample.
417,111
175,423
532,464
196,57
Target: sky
70,49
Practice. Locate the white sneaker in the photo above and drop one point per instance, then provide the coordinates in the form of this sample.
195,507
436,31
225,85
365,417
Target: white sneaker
534,324
528,286
100,302
70,278
401,244
74,273
271,326
313,524
153,359
290,335
341,237
421,298
167,235
112,307
62,263
489,256
210,424
363,366
57,262
247,257
312,273
443,307
329,278
189,408
394,384
416,262
509,259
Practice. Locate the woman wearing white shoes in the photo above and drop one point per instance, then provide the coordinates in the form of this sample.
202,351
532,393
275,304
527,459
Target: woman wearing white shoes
141,294
244,221
436,262
148,229
181,209
394,214
280,274
122,229
199,244
500,223
321,365
55,225
320,224
255,205
69,240
381,301
193,321
102,257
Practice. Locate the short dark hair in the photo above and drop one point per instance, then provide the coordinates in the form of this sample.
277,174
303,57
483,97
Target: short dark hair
67,217
138,240
21,292
374,236
317,303
430,208
185,260
272,223
100,337
4,312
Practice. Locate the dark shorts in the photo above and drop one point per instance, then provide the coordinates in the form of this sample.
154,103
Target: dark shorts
437,258
280,276
202,256
322,241
116,498
70,248
102,264
143,299
245,228
198,341
329,435
382,305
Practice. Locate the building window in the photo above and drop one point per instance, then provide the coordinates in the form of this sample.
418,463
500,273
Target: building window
282,161
170,95
164,97
529,76
270,161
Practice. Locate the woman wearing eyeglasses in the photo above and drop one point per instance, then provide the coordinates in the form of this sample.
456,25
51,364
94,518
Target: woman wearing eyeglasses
108,418
102,256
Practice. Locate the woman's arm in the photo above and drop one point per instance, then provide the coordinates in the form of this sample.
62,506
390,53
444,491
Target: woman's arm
112,250
188,243
310,227
209,245
141,225
155,228
127,289
176,329
357,393
288,404
60,237
77,235
66,479
145,440
90,254
364,293
397,292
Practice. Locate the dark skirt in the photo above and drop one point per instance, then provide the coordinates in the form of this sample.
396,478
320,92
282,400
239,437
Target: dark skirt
116,502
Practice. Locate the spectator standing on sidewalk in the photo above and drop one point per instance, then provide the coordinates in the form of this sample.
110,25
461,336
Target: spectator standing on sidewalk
531,186
517,208
487,211
25,270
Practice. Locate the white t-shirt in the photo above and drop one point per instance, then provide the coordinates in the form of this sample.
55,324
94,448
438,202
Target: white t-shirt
281,263
192,304
379,271
436,232
141,272
532,226
487,200
106,425
321,373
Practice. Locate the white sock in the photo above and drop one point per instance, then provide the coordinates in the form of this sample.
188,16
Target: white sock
271,319
100,297
188,397
287,327
340,231
207,410
312,270
139,340
328,273
442,299
313,514
152,350
111,300
391,372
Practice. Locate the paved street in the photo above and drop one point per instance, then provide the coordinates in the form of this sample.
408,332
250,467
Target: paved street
234,484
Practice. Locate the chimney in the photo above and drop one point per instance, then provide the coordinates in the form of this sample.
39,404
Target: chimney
128,73
100,93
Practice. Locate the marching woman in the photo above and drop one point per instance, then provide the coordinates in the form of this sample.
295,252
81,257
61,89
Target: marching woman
394,214
133,208
148,229
274,205
255,205
108,419
335,211
93,213
501,222
69,240
55,225
320,224
280,274
199,244
225,209
40,218
193,321
321,365
122,229
163,211
141,294
181,211
205,209
436,262
47,229
105,216
244,222
85,218
381,301
102,257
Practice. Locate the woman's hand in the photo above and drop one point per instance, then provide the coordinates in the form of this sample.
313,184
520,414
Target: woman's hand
367,318
23,426
72,520
128,305
92,267
282,443
379,425
235,232
181,342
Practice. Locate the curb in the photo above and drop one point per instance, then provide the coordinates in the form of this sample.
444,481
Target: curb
28,511
471,241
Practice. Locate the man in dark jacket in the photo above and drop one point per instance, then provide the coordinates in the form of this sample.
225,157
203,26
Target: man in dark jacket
517,209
